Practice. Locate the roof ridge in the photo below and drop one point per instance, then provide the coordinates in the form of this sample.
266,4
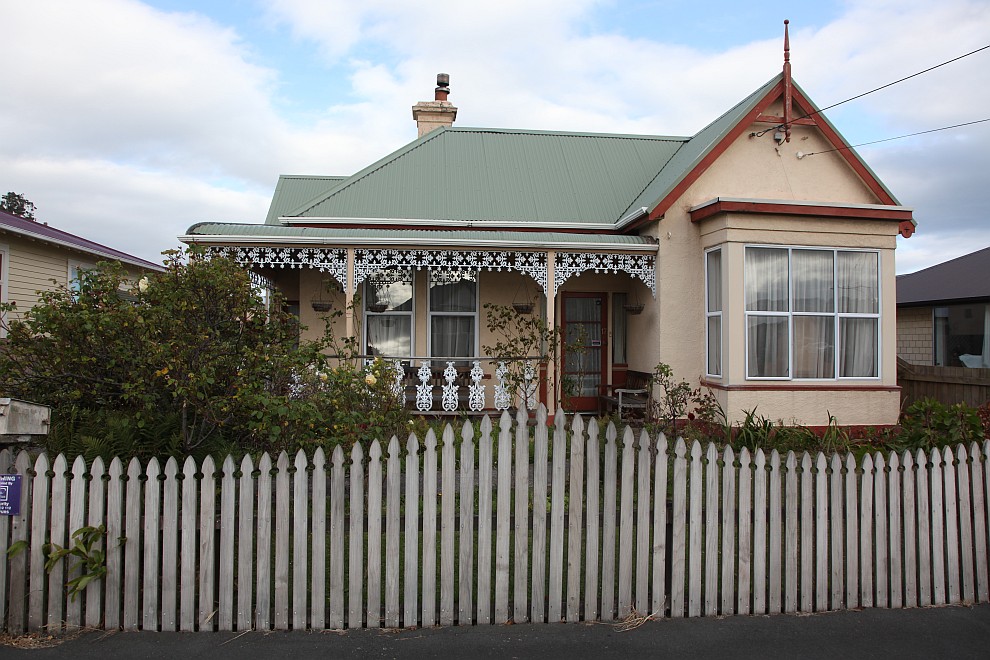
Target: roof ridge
945,263
591,134
374,167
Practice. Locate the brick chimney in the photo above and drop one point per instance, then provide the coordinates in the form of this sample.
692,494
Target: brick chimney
439,112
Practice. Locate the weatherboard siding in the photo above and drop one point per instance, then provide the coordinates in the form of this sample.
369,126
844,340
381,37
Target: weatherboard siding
32,268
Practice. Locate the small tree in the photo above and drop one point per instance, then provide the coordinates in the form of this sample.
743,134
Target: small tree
17,204
520,336
194,359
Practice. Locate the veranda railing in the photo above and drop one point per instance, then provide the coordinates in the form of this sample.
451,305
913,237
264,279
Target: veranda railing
571,523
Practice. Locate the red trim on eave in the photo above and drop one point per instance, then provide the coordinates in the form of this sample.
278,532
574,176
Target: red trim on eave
850,157
751,117
770,208
711,156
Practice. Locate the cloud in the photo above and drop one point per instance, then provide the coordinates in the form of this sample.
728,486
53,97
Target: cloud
169,118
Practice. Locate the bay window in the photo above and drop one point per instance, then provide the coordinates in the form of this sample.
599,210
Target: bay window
812,313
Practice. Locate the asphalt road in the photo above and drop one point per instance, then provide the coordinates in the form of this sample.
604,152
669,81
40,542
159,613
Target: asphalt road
932,633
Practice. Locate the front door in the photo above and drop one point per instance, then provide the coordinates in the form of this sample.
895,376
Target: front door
583,349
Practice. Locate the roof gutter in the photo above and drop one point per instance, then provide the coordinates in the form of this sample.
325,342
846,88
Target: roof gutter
459,224
632,217
362,241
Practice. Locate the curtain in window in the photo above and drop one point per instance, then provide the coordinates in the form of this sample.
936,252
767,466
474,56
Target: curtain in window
766,291
858,294
619,325
389,335
767,354
858,348
715,345
766,280
713,278
858,286
814,347
455,295
452,336
453,305
814,336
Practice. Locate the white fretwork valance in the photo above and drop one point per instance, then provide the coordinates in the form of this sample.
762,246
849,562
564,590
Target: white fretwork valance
326,260
533,264
641,266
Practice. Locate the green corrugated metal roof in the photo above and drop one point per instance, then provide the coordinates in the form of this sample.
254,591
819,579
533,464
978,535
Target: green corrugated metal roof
294,190
235,231
685,160
478,175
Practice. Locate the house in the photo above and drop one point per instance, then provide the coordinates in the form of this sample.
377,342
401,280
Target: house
760,252
35,257
943,313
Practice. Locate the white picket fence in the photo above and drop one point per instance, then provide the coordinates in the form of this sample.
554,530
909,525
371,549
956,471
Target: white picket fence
521,527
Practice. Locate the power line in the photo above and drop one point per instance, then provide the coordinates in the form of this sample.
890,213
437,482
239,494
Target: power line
863,144
890,84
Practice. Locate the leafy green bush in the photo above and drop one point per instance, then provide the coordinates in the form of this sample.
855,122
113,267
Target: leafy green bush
928,423
192,360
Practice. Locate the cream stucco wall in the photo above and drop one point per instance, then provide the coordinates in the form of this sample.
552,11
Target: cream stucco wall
758,168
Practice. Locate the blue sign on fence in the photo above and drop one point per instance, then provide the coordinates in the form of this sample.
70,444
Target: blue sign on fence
10,494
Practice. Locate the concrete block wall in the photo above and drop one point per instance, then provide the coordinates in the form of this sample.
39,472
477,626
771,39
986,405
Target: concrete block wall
915,335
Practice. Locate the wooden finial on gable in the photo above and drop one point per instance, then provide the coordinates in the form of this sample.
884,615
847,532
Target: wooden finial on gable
787,83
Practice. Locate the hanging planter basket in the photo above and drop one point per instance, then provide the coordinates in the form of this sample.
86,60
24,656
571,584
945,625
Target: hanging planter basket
633,309
522,307
322,306
377,308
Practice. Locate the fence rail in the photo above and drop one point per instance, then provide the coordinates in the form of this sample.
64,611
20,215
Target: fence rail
945,384
570,523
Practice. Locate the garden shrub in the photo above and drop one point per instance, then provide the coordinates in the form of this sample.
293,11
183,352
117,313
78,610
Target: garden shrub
191,360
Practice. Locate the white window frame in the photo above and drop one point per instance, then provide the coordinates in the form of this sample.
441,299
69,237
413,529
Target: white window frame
411,314
4,282
475,315
835,314
715,314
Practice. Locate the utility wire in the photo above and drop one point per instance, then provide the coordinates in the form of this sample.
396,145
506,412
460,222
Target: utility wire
853,98
863,144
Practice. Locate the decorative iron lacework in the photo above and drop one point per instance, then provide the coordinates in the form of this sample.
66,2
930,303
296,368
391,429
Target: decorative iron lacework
327,260
642,266
367,262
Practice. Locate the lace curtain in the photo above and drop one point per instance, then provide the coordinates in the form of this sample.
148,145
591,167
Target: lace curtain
453,313
766,291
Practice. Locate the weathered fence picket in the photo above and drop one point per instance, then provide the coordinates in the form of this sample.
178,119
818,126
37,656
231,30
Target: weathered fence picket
225,618
520,583
245,544
484,609
571,529
355,548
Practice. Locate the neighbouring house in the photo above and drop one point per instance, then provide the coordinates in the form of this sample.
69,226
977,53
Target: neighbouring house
35,257
943,313
755,257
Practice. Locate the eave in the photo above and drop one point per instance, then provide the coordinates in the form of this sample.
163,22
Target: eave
417,242
789,207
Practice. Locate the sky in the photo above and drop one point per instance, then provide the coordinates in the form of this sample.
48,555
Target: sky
127,122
